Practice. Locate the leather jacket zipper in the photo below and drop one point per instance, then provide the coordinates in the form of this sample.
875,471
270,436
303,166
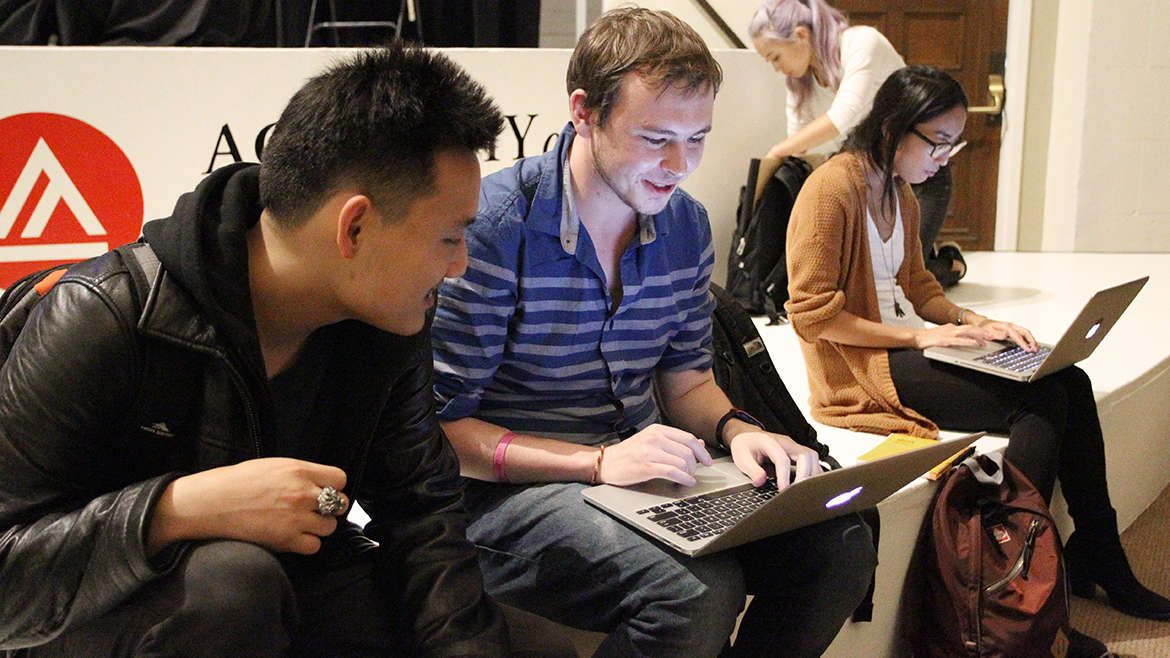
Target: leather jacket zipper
246,400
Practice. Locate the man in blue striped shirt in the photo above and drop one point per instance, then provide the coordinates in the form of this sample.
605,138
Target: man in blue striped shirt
587,289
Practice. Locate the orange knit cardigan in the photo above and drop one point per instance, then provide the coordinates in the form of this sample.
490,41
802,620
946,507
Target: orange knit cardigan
829,271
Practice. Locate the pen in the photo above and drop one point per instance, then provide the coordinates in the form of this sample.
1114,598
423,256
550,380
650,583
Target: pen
960,458
937,472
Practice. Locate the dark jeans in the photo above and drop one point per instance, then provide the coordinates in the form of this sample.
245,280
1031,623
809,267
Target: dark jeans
229,598
1052,423
545,550
934,198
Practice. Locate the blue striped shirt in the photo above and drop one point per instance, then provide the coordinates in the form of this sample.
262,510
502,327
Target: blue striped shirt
525,338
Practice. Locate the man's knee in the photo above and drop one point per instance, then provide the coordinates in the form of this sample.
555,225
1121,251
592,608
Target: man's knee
236,585
1048,399
236,600
845,550
223,598
1077,383
704,602
720,594
851,561
836,556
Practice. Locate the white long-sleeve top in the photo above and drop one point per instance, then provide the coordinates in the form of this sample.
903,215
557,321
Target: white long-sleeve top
867,59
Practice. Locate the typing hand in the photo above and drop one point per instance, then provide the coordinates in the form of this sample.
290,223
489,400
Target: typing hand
271,502
951,335
1008,331
750,449
659,451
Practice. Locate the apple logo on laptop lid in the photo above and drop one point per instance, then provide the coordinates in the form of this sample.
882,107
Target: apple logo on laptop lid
841,499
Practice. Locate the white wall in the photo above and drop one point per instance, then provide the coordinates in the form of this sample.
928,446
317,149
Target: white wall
1067,126
558,21
1122,184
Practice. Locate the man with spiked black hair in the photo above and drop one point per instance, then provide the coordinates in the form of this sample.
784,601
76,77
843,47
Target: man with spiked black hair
179,455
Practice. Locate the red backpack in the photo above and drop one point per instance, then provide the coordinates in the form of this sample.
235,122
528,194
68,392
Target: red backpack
991,581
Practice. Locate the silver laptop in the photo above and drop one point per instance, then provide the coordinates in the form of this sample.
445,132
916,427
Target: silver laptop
724,510
1078,342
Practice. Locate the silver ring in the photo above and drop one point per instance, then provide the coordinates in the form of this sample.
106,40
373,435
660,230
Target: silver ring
329,502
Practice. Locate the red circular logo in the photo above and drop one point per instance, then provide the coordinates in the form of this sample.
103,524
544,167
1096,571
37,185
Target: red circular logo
67,192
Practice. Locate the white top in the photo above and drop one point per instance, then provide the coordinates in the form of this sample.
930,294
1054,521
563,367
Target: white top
886,258
867,59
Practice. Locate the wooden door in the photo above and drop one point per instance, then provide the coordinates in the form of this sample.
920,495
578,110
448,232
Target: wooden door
966,38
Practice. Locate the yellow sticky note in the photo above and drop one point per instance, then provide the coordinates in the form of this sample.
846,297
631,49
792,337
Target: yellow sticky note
894,444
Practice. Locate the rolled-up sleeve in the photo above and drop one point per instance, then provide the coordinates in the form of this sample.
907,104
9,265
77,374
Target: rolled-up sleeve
814,249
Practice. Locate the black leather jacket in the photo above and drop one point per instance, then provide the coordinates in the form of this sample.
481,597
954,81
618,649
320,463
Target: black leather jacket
86,448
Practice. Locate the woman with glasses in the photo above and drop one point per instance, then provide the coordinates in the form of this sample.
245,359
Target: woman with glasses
832,72
860,301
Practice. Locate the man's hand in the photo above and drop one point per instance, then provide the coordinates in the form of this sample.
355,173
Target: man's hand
271,502
659,451
749,450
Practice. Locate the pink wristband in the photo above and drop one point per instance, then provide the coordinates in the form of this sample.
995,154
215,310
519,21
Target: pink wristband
498,458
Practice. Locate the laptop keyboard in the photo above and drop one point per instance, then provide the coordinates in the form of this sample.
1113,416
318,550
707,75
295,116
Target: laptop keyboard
707,515
1016,358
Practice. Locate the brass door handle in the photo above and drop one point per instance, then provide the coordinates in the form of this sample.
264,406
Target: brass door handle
995,88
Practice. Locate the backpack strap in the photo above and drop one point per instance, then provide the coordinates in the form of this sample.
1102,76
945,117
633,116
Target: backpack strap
986,468
19,299
143,265
751,379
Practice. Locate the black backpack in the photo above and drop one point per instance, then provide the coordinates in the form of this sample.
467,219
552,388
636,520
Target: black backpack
18,299
745,371
757,272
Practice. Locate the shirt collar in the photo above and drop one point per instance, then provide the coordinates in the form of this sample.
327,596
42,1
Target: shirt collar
570,228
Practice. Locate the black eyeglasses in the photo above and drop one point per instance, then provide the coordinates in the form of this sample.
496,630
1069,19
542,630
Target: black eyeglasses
940,150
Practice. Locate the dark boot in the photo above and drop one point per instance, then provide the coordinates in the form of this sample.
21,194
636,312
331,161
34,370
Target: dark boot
1093,556
1083,646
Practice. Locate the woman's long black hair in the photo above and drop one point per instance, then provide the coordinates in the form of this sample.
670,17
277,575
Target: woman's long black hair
911,95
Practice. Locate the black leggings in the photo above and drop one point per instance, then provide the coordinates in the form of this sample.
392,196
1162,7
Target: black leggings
1052,423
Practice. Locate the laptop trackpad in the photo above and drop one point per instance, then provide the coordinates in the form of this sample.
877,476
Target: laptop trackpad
720,475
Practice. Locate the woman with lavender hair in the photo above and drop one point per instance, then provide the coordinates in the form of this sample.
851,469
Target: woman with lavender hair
833,70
